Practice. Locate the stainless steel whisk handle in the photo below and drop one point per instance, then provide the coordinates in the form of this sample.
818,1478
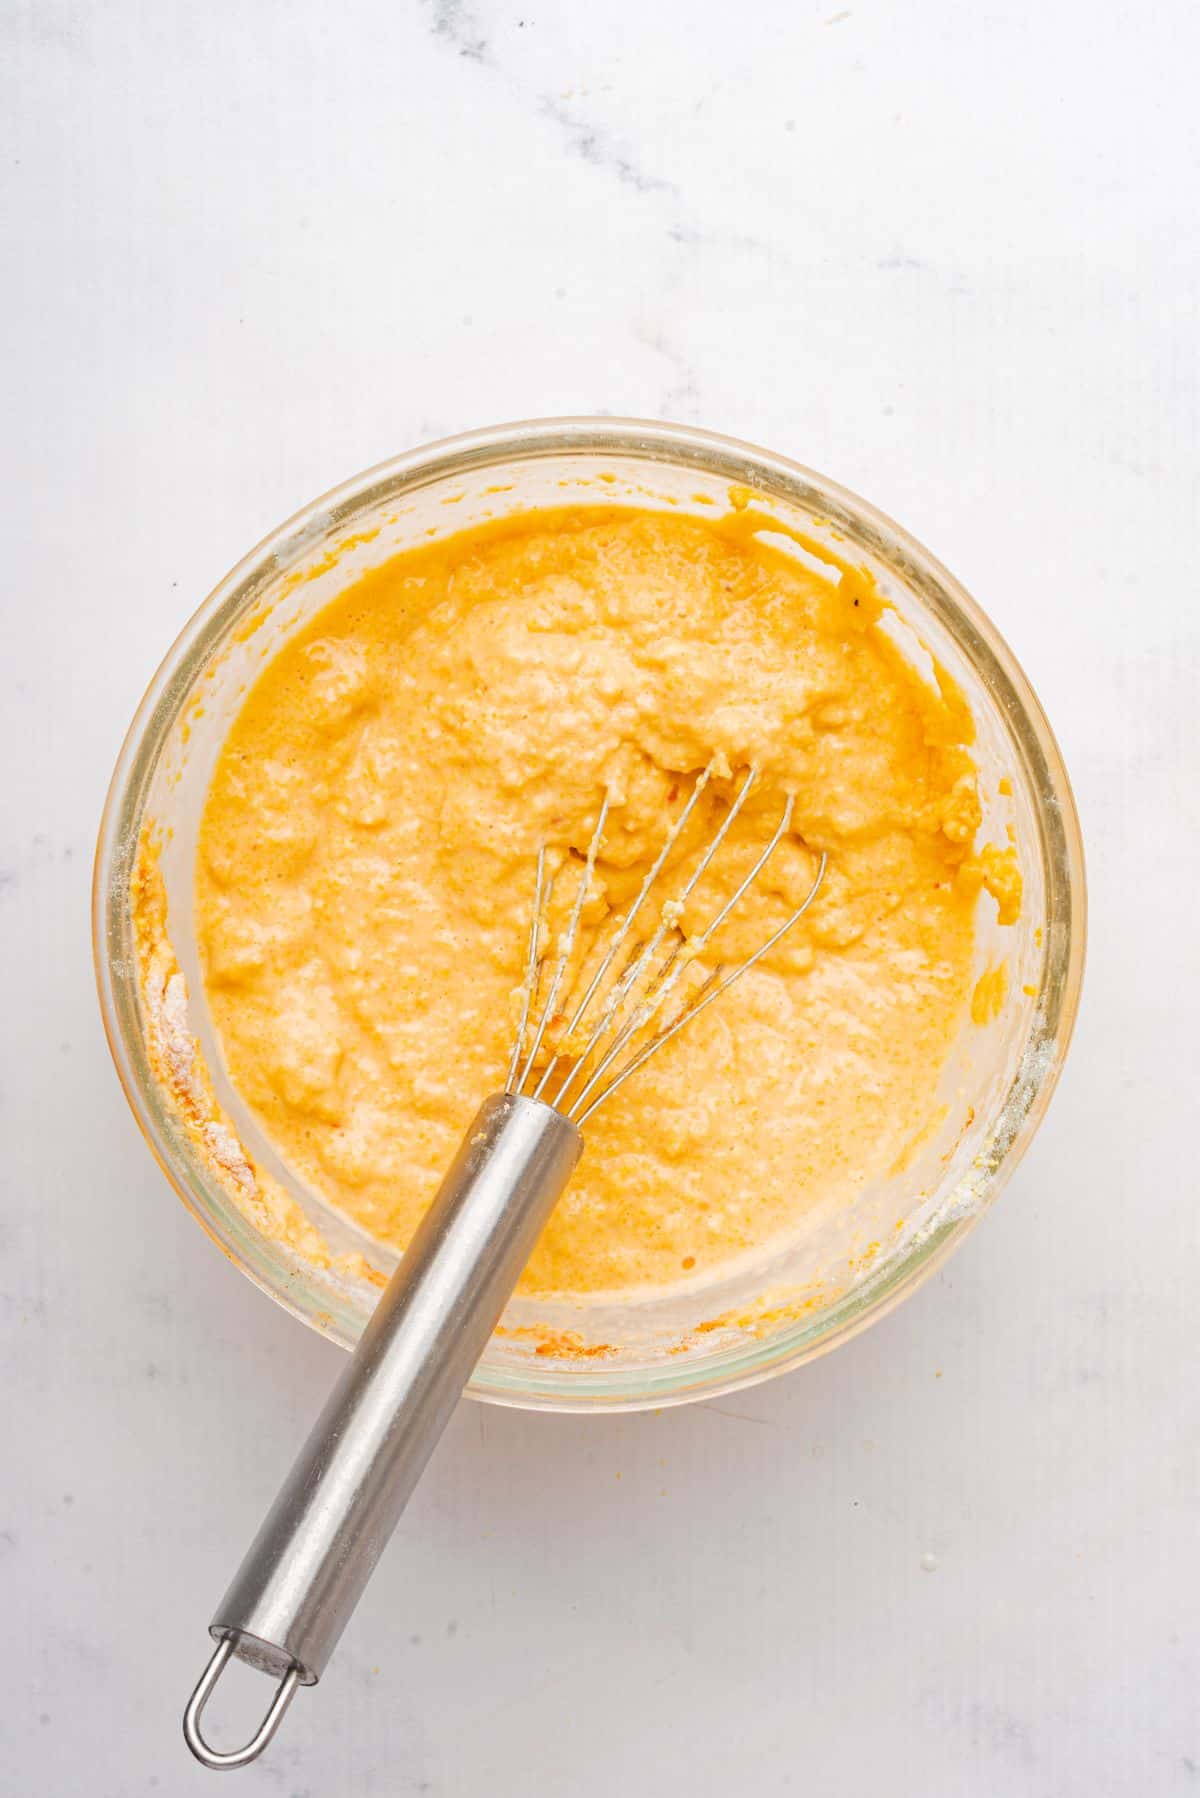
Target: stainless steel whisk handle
319,1543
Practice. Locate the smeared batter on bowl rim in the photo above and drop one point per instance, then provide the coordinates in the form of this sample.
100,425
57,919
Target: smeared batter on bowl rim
366,868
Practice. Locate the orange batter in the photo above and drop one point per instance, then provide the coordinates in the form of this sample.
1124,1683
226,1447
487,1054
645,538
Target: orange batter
367,858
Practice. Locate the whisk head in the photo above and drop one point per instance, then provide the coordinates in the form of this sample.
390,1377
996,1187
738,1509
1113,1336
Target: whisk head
637,996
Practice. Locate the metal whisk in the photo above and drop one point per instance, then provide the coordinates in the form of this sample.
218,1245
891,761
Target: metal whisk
321,1539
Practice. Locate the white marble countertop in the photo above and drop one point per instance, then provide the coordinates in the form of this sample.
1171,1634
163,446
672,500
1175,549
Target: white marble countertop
946,253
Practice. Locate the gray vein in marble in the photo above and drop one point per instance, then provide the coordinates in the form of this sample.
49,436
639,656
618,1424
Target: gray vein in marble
48,27
681,397
592,144
455,24
40,853
1000,1732
898,262
741,1416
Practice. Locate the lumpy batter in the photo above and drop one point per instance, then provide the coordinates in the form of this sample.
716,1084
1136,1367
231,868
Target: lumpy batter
368,848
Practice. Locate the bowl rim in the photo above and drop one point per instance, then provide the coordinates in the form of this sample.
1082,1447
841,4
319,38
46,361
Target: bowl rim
585,1387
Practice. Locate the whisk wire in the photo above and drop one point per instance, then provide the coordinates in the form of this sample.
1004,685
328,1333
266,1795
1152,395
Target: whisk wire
670,974
663,980
568,944
623,928
532,966
705,997
633,1002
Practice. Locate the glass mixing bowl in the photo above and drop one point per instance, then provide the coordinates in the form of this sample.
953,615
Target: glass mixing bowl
840,1272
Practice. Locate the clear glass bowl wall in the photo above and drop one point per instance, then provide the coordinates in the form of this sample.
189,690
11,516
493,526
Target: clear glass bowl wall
995,1087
